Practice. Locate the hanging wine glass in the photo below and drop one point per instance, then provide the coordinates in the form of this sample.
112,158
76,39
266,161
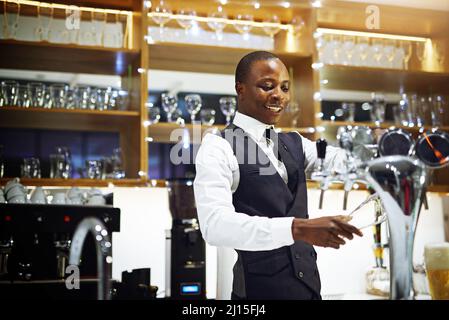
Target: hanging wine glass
407,47
421,51
44,20
439,52
217,22
298,25
161,15
11,15
169,104
377,49
348,49
227,107
389,51
272,25
243,24
186,19
193,105
362,50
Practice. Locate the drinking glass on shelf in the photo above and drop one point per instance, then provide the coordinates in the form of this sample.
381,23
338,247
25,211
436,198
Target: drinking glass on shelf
193,105
66,169
377,111
348,49
243,24
422,112
335,49
153,112
10,92
31,168
292,112
161,15
2,162
23,97
98,25
94,169
348,109
44,21
421,51
82,97
187,19
58,95
123,99
271,25
437,111
217,22
361,50
298,24
169,104
207,116
377,50
438,48
227,107
389,50
57,165
70,99
37,93
11,15
407,47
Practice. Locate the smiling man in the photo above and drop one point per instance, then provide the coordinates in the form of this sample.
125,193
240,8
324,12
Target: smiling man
251,195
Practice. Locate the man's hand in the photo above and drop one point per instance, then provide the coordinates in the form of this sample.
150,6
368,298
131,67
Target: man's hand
324,231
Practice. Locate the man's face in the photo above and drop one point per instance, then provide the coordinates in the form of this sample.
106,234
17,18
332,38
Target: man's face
265,92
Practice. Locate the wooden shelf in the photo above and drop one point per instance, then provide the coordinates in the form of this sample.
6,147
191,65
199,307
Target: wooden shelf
164,132
65,57
385,125
386,80
40,118
382,125
78,182
203,58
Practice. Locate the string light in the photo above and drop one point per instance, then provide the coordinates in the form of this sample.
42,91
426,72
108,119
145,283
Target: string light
370,35
285,4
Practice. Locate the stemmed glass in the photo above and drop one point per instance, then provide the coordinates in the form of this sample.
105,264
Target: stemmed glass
243,24
44,18
218,22
153,112
362,48
421,51
439,52
169,104
407,47
348,49
377,49
389,51
193,105
298,25
227,107
187,21
271,26
10,27
162,15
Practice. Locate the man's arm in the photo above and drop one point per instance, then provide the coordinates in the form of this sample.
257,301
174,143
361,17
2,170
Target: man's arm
220,224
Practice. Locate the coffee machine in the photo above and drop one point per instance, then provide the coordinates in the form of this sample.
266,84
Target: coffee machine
35,241
185,276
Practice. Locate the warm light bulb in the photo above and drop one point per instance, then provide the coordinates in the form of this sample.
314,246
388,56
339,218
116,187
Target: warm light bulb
256,5
285,4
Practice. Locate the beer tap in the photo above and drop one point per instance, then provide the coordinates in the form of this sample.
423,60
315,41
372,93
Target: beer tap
319,174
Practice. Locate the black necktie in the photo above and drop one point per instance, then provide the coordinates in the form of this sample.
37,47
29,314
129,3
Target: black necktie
272,137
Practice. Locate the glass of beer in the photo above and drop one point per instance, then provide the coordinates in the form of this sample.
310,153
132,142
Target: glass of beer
436,256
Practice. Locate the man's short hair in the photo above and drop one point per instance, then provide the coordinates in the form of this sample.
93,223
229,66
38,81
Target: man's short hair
244,65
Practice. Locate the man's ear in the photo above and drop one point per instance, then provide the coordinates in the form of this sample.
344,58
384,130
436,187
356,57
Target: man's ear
239,88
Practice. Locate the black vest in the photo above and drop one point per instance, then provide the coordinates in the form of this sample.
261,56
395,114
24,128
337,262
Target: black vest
289,272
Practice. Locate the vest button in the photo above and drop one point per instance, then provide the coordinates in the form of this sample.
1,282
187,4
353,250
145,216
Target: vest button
300,274
297,256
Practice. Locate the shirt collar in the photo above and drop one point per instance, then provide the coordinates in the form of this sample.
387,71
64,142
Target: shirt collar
250,125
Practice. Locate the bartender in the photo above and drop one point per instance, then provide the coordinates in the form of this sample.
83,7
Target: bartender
251,193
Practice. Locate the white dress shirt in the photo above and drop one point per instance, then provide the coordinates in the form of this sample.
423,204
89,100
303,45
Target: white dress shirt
217,178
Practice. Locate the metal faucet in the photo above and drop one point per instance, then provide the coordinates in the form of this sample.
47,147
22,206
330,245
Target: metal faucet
103,249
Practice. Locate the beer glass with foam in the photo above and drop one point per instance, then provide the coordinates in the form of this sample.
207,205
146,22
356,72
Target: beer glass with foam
436,256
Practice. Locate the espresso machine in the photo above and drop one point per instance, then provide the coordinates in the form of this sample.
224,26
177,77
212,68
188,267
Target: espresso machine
185,275
35,244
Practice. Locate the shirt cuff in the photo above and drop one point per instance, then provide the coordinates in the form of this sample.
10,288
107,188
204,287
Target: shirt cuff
281,230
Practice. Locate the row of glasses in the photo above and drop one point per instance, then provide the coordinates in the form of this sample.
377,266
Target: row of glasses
243,22
60,95
417,110
194,106
99,30
366,51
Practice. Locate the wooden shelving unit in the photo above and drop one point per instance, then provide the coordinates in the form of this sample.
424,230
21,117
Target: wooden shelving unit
384,125
46,182
47,56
